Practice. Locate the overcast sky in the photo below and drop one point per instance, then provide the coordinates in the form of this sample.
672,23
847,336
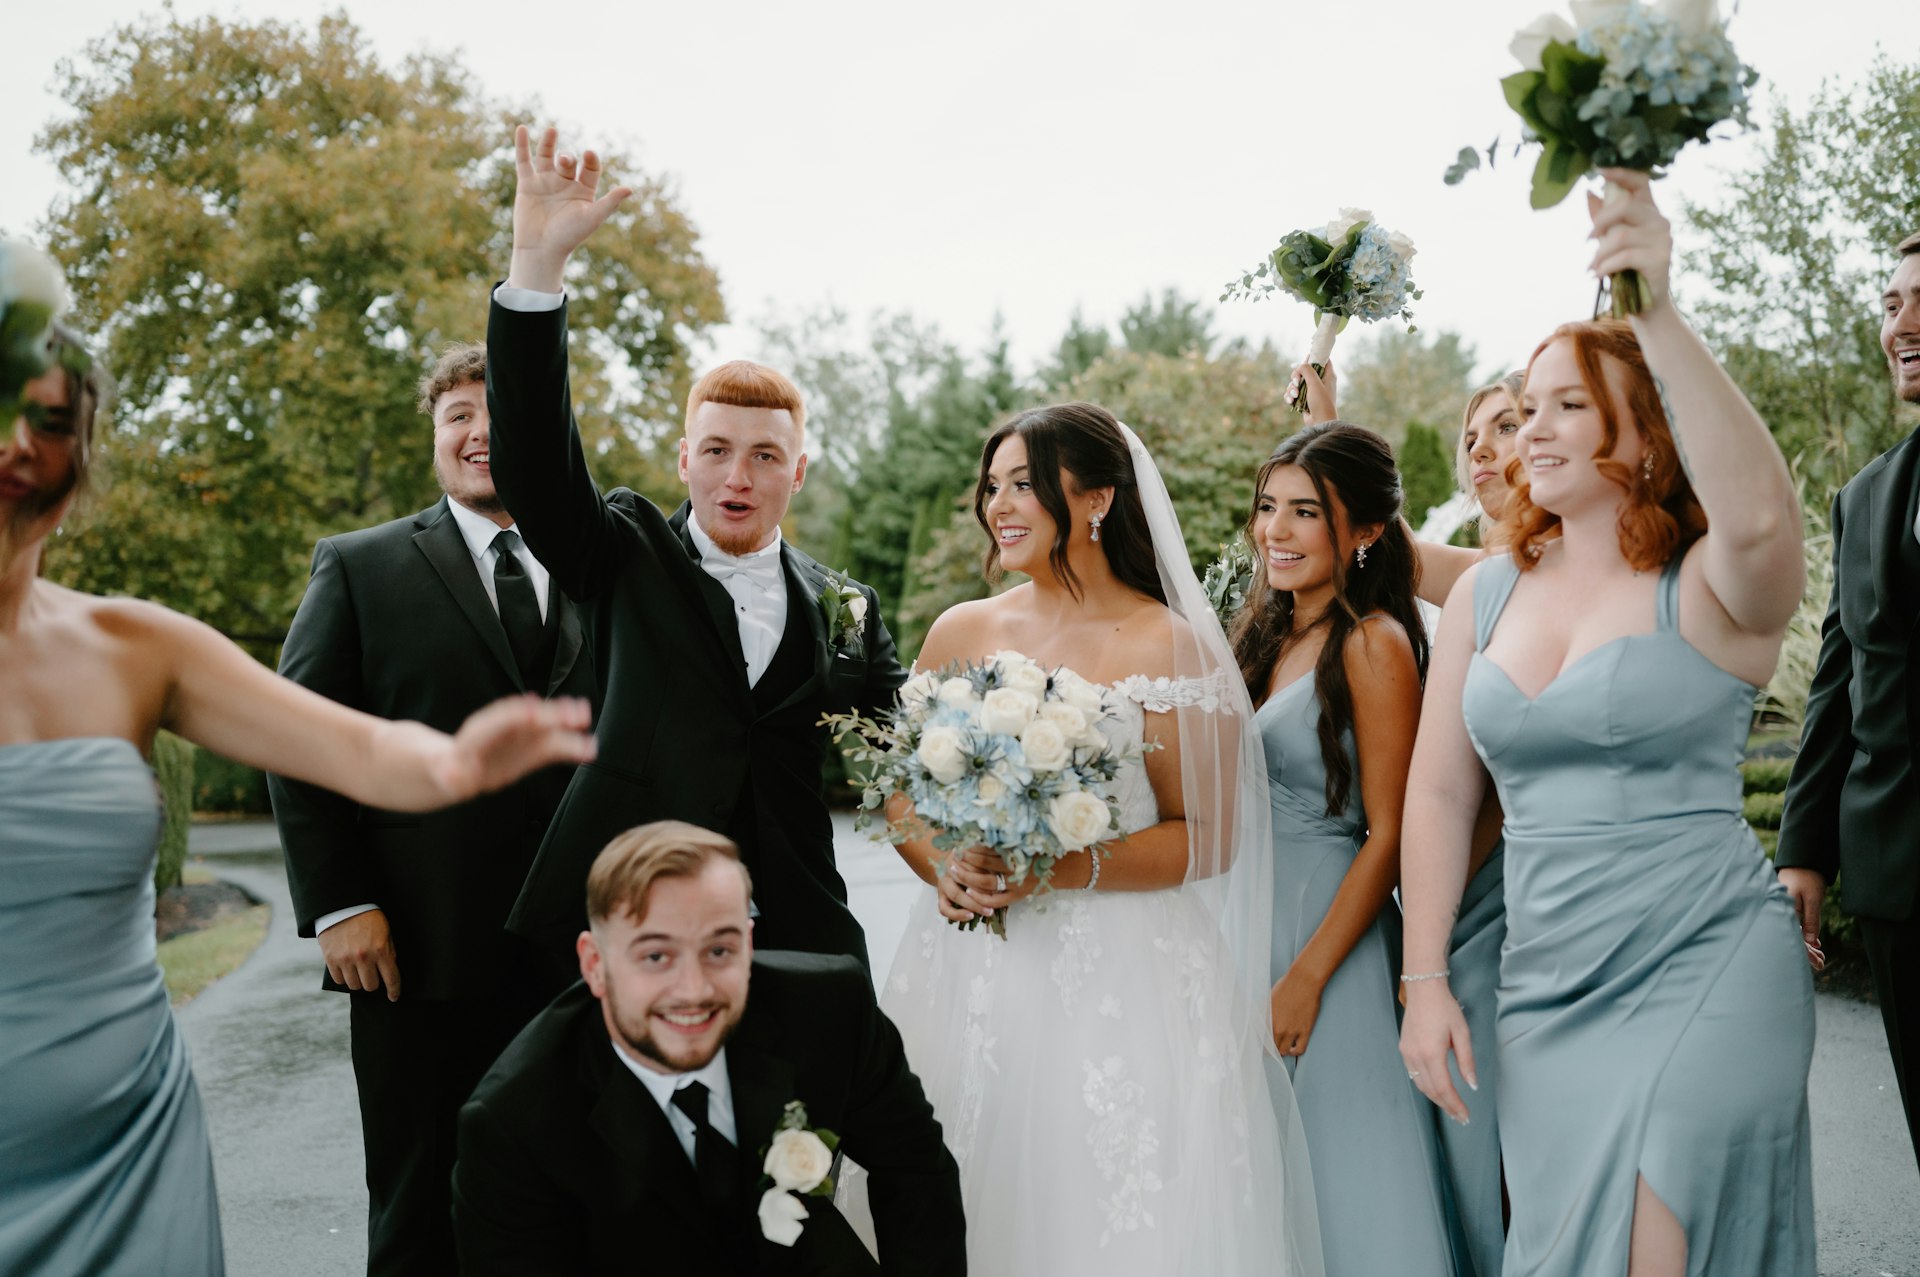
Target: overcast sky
1029,156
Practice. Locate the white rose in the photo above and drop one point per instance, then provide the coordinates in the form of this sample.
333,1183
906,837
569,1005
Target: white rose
1069,719
917,692
1006,710
1402,246
1349,218
1693,17
957,692
992,789
798,1160
1082,695
1045,745
1008,659
27,274
1530,42
1591,13
780,1216
940,753
1077,819
857,607
1026,677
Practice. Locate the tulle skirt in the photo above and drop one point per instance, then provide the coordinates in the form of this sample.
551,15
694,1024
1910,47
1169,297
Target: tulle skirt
1099,1082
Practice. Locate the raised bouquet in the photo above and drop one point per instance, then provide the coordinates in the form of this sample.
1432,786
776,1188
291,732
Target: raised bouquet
1353,268
1624,85
1003,754
1229,580
32,296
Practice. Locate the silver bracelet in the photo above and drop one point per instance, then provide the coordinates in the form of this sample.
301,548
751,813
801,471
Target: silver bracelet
1441,974
1094,876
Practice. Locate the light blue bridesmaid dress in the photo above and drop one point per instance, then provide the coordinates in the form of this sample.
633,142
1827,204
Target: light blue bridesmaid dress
1370,1139
1470,1154
1656,1010
104,1162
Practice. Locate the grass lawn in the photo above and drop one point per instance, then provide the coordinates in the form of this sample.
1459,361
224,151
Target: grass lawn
196,959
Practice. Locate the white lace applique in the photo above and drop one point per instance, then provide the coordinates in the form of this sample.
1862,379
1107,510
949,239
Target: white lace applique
1079,948
1124,1143
976,1063
1192,967
1164,695
1110,1007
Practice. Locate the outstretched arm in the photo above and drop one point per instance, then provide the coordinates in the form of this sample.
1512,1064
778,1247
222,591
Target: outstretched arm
1752,550
539,467
219,697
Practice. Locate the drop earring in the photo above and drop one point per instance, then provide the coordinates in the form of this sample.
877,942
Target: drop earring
1646,465
1360,555
1094,523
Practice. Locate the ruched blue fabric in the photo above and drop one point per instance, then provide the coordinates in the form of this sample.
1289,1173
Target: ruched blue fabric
1655,1009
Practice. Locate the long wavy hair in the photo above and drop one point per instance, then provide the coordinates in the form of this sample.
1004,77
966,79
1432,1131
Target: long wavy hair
1356,465
1662,516
1085,441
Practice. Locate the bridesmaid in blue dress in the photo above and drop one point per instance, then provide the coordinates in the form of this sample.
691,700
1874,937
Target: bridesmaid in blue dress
1655,1021
1331,645
104,1162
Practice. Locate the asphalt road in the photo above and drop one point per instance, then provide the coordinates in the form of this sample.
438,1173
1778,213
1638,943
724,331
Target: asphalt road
270,1051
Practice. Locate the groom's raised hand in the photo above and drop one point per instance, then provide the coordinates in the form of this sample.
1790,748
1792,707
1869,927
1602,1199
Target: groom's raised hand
555,208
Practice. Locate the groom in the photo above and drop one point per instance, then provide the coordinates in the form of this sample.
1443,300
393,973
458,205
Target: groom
719,645
1853,804
627,1128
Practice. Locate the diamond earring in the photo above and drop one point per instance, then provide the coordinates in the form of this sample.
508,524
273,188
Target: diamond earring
1360,555
1646,465
1094,523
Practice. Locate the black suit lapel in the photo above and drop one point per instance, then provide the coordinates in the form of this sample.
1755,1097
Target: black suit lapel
714,600
762,1087
632,1125
440,540
1890,514
805,581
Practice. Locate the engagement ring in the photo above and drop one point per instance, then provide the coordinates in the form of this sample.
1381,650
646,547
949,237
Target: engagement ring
1000,883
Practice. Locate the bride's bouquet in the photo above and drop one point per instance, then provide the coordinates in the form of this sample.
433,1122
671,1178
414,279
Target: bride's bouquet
1353,268
1625,85
32,295
1004,755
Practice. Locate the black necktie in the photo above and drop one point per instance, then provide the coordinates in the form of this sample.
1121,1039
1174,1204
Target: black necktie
714,1159
519,609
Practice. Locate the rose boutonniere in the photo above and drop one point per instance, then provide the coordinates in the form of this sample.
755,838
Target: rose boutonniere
799,1161
845,610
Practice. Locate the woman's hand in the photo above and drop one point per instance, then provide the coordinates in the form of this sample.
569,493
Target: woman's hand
988,882
1632,232
1295,1005
1433,1028
504,741
1319,388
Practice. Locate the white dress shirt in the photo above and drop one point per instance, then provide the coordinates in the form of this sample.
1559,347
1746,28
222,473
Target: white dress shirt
662,1086
478,531
759,595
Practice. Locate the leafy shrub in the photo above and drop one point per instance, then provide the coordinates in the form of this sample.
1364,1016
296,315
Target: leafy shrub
220,784
1766,775
173,761
1762,810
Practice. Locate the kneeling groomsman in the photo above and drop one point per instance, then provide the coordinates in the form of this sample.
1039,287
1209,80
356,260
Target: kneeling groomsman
427,618
626,1129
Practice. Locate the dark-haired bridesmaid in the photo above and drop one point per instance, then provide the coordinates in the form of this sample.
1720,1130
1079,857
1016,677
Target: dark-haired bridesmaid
1332,649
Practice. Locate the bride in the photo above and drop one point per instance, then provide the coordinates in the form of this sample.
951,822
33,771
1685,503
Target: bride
1099,1072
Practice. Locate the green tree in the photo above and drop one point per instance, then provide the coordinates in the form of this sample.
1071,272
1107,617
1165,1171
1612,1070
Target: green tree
1794,261
1080,346
1394,378
1175,325
272,233
1426,470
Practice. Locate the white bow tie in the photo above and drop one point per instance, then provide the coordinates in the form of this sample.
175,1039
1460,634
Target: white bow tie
760,570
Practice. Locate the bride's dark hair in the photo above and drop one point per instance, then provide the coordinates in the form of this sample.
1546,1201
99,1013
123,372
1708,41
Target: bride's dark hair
1084,440
1355,464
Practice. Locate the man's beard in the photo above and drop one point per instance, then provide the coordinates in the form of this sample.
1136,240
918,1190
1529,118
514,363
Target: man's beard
640,1041
489,505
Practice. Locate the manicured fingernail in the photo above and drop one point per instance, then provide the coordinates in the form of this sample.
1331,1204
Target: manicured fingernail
1472,1085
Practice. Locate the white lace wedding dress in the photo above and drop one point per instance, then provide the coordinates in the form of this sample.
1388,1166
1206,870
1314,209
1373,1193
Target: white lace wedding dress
1086,1076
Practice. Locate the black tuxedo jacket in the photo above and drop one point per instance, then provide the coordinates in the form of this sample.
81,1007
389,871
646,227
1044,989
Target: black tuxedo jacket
396,622
568,1166
682,734
1853,805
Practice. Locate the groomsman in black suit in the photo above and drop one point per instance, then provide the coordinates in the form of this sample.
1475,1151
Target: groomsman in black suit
1853,805
718,645
427,618
628,1129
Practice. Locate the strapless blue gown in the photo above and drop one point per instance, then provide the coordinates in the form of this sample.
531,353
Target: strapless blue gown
1370,1139
1470,1154
1656,1010
104,1162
